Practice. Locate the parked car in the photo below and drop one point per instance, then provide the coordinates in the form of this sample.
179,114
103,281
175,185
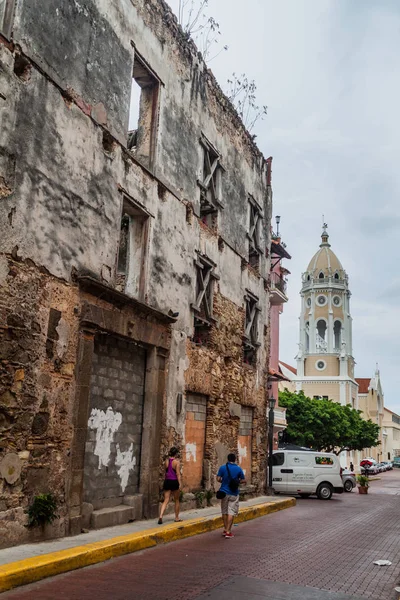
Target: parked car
349,480
369,470
389,465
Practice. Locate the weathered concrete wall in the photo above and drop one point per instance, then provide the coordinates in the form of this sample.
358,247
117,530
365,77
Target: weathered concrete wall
65,173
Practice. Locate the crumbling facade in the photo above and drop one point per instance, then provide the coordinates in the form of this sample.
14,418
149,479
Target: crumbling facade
133,269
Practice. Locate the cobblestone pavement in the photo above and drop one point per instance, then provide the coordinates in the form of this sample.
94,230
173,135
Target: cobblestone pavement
327,545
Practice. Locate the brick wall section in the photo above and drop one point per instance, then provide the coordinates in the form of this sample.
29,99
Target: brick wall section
117,382
195,437
218,372
245,441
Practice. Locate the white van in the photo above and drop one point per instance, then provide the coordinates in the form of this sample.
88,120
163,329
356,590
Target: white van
306,472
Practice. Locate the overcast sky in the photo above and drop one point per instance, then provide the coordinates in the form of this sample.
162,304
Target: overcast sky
329,72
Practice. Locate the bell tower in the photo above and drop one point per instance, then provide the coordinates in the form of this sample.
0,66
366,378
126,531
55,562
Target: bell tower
325,363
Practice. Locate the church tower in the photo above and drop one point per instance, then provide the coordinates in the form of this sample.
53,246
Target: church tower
325,363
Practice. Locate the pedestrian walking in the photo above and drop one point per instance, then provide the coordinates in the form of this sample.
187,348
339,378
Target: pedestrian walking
351,467
230,476
172,483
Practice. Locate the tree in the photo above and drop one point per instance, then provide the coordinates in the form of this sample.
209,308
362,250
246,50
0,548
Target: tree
203,29
242,94
326,425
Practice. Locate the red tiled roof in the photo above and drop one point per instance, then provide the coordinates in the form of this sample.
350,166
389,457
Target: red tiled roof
292,369
363,384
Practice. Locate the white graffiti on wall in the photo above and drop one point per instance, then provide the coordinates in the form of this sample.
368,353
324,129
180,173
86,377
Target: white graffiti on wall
106,424
126,463
191,452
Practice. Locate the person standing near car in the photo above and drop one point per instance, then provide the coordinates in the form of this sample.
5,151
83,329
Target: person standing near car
351,467
230,477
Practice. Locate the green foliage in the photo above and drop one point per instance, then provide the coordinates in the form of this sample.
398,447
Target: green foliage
362,480
209,495
42,510
199,499
326,425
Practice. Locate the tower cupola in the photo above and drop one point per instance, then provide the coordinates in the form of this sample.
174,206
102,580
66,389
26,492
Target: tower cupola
325,345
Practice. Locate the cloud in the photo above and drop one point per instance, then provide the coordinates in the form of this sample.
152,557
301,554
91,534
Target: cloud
328,71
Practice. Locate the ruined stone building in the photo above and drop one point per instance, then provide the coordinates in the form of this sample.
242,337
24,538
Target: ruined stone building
134,265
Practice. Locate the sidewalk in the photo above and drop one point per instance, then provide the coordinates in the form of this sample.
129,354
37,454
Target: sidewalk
31,562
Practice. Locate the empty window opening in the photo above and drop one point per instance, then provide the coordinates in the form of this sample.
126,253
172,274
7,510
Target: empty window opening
210,184
250,338
22,67
132,250
337,332
254,233
321,329
143,111
321,275
109,144
336,276
6,16
203,305
307,336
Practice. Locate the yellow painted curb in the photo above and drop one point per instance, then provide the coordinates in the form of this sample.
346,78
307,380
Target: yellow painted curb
39,567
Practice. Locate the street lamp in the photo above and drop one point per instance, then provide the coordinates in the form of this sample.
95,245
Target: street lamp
278,220
271,405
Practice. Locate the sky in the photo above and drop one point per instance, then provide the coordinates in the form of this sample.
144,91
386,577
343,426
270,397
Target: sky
328,70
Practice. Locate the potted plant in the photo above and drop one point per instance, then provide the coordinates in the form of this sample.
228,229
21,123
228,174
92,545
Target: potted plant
363,484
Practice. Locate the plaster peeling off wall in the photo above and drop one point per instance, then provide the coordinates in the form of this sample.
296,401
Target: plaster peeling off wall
126,463
242,451
191,452
106,425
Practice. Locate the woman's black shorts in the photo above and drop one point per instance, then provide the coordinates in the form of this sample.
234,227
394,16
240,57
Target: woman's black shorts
171,485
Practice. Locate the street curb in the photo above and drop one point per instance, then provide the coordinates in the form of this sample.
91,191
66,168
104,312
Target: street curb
36,568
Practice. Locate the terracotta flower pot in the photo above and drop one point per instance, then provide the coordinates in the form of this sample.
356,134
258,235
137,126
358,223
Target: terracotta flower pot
362,490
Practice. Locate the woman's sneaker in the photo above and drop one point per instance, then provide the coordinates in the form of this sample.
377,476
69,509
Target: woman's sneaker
229,536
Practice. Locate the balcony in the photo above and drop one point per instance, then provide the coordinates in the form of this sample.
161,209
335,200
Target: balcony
323,282
278,287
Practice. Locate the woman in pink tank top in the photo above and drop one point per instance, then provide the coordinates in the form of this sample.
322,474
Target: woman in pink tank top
172,483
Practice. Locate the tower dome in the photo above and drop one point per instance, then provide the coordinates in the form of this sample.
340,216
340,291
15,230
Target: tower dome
325,320
324,263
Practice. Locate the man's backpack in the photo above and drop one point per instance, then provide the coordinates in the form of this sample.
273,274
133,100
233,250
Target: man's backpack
234,482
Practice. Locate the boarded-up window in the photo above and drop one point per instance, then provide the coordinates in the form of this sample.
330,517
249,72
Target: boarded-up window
195,438
210,184
254,234
250,341
203,304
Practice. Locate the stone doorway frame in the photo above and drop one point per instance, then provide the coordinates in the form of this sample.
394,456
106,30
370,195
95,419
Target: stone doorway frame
150,329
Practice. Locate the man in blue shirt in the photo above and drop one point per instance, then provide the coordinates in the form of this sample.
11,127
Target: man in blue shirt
230,476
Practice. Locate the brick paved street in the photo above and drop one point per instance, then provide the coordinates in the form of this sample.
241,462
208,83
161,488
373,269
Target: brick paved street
326,545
